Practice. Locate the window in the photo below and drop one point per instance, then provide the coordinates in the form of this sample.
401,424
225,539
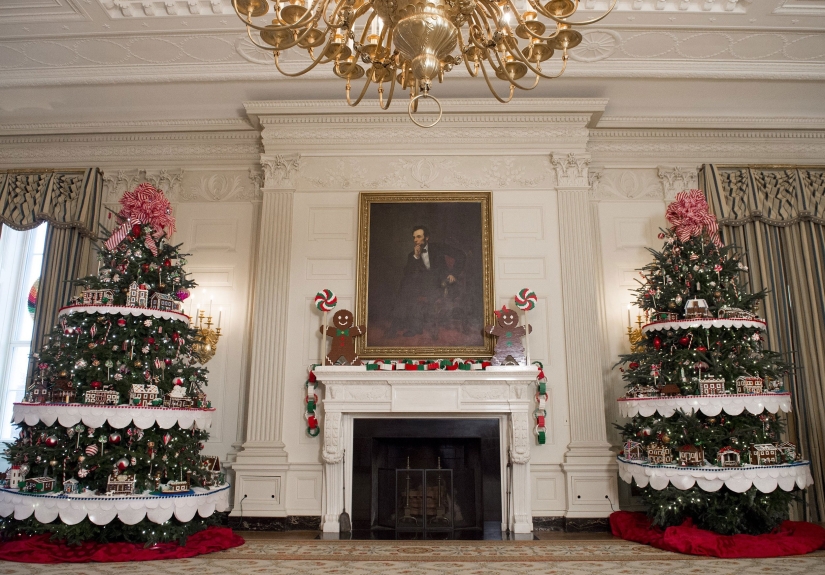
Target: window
21,257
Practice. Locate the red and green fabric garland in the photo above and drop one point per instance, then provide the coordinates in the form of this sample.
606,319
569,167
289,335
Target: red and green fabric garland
311,400
31,303
427,365
540,412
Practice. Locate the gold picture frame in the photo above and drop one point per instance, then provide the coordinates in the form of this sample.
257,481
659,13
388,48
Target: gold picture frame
433,306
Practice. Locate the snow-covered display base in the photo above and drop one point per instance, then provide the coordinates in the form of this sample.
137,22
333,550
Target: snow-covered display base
710,405
766,478
123,310
102,509
118,416
705,323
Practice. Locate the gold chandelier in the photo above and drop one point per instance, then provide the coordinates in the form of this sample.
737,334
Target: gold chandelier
413,42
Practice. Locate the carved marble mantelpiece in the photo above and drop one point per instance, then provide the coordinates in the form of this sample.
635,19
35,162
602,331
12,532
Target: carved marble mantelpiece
504,393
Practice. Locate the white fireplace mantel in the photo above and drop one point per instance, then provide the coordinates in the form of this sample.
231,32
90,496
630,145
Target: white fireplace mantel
505,393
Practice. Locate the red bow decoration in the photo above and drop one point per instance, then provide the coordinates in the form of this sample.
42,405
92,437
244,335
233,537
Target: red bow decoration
503,309
144,205
690,216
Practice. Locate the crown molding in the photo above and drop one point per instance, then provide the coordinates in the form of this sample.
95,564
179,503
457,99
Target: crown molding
713,122
127,126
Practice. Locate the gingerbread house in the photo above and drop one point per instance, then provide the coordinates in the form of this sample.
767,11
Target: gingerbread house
633,450
143,395
642,391
664,316
71,486
120,484
697,309
691,456
659,454
138,295
14,477
177,398
749,384
764,454
98,297
712,386
212,464
670,389
787,451
38,392
735,313
163,302
102,397
62,391
728,457
39,484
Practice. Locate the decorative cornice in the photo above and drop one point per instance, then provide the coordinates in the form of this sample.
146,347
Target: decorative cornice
125,126
279,170
674,180
571,171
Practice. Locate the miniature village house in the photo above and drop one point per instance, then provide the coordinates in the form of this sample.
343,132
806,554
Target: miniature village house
691,456
697,309
15,476
212,464
98,297
163,302
633,450
670,389
120,484
71,486
659,454
712,386
102,397
63,391
735,313
787,451
749,384
38,392
664,316
764,454
39,484
143,394
138,295
728,457
642,391
177,398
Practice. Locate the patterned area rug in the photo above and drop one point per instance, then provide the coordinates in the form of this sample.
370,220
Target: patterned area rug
582,557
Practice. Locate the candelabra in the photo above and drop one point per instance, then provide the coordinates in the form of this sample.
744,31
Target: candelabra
635,336
206,340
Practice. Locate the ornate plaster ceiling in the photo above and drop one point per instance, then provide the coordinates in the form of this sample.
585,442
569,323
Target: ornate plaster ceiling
190,59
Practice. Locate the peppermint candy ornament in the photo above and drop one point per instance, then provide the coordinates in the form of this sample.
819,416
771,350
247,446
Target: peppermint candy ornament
91,450
526,299
326,300
82,472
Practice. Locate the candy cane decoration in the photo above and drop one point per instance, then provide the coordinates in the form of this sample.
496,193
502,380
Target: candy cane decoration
526,300
325,301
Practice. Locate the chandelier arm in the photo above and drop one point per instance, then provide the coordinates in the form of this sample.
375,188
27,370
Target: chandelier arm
583,22
510,79
516,54
392,91
532,34
300,23
273,49
333,16
365,32
466,60
493,90
363,90
314,63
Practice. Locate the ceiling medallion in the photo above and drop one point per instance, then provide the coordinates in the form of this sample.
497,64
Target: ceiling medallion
411,43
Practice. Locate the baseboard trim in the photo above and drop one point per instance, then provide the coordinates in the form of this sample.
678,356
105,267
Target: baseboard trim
289,523
572,524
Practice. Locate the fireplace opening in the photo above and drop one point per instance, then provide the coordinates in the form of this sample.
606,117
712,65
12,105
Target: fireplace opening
426,478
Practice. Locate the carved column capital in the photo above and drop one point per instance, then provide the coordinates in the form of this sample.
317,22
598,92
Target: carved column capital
571,170
280,171
676,179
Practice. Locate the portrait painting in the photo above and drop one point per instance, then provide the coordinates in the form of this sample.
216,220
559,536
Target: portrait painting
425,274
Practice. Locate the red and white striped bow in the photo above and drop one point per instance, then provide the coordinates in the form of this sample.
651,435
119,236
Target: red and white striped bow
690,215
144,205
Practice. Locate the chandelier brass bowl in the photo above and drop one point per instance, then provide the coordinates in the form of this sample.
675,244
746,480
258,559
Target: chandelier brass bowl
412,43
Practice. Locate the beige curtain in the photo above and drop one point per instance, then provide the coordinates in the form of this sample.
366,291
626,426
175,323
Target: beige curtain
777,216
70,202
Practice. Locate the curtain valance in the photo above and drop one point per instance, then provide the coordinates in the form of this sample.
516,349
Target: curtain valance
63,198
775,196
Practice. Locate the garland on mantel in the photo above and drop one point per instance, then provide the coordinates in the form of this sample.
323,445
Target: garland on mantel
311,395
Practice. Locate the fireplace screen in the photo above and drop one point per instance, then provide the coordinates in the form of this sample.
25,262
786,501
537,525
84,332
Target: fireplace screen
423,499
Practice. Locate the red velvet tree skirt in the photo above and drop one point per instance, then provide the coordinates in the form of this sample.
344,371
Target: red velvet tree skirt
791,538
38,549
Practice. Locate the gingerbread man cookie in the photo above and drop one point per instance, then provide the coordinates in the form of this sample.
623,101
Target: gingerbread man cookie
343,335
509,349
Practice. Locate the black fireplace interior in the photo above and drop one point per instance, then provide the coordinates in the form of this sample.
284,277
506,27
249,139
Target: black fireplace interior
469,493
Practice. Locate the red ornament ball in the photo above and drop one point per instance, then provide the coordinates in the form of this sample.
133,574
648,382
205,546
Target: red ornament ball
701,348
137,229
175,336
657,342
633,365
167,361
51,441
122,463
96,385
178,381
121,322
684,341
150,340
167,263
114,438
144,267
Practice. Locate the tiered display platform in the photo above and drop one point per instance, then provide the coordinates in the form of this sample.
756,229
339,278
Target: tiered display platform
710,405
123,310
103,509
703,323
118,416
765,478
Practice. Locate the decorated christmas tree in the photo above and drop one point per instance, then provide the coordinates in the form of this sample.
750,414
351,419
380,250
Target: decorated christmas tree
704,441
114,419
